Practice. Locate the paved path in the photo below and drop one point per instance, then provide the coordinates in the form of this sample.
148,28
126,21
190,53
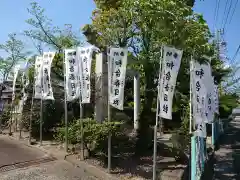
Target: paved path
227,166
57,170
12,152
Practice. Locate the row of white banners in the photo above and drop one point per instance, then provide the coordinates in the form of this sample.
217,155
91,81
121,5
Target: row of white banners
205,102
77,65
78,62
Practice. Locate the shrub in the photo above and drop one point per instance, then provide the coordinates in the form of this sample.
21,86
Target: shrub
94,134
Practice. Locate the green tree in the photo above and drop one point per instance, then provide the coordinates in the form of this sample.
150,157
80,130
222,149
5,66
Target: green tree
143,26
15,50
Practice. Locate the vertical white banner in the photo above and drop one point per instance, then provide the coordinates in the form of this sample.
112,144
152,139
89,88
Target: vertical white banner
210,105
47,87
15,75
170,67
38,77
216,99
118,62
72,85
201,130
202,82
84,55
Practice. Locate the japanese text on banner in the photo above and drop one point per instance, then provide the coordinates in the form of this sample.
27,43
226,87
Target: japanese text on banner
85,58
38,77
72,85
118,63
47,87
170,67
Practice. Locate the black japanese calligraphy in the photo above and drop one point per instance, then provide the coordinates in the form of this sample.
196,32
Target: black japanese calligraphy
87,77
72,61
71,69
165,97
116,101
115,54
168,76
199,73
169,54
166,87
118,63
116,92
122,53
84,59
73,85
73,93
198,86
170,65
198,98
118,73
72,77
117,83
45,71
88,86
165,108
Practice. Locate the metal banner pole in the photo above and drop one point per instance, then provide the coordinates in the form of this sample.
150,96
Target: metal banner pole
65,104
156,124
81,120
31,117
41,107
190,94
109,113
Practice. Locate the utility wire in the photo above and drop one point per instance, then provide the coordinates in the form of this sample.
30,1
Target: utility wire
230,7
234,9
225,11
235,55
216,13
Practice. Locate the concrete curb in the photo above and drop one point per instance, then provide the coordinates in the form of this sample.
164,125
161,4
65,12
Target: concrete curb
98,173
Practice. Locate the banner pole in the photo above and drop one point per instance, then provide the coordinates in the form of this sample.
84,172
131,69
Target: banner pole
190,99
156,124
41,106
81,118
65,104
109,113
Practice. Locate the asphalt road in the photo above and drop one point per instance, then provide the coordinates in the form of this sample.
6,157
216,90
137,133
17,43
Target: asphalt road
12,152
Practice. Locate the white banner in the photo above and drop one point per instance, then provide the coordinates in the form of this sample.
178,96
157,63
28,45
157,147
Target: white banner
72,75
47,88
25,81
210,105
118,63
84,55
15,75
170,67
38,77
202,92
201,130
216,99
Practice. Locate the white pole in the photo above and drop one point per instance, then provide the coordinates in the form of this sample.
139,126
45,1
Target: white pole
156,125
109,114
136,100
65,104
190,94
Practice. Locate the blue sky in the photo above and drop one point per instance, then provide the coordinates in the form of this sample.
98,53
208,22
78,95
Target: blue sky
13,13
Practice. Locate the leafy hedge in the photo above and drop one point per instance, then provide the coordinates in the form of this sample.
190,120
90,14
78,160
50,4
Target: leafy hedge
94,133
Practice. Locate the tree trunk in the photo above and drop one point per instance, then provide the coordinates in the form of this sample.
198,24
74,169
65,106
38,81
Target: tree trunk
144,133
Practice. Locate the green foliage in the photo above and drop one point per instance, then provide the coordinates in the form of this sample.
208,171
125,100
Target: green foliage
5,115
44,31
95,134
15,51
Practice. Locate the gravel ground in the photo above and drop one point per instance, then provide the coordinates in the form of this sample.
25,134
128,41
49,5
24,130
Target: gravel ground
56,170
